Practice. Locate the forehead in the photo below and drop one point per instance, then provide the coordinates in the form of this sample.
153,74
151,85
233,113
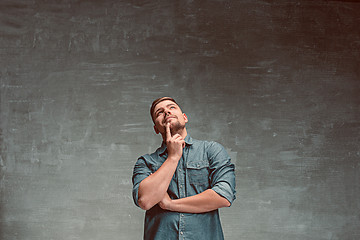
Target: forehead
163,104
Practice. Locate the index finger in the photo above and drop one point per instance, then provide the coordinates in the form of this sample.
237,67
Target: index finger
168,133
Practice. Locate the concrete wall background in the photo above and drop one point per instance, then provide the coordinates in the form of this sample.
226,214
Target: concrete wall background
276,82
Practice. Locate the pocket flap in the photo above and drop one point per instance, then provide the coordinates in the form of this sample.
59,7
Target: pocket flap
198,164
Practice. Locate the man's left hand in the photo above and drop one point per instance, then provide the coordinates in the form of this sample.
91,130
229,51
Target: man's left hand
165,203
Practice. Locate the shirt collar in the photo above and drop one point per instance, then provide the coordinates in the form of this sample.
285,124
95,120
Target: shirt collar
188,141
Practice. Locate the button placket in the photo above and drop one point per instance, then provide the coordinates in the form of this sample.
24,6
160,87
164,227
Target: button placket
181,176
182,192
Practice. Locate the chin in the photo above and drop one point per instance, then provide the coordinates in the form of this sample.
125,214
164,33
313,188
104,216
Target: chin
177,126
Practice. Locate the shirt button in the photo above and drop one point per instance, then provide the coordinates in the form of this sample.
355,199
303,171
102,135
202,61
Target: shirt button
182,215
181,233
180,169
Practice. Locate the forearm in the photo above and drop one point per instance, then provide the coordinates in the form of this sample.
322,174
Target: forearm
153,188
206,201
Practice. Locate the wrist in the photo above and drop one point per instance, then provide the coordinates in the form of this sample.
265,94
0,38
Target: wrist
169,205
174,158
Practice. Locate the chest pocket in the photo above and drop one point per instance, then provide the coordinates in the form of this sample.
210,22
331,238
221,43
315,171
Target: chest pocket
198,172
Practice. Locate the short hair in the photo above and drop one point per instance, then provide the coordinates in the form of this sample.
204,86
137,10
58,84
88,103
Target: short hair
157,101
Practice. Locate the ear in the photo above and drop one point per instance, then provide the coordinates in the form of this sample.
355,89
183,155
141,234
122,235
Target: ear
185,118
156,130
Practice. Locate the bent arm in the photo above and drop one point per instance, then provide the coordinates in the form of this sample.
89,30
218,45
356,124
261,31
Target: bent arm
221,192
206,201
153,188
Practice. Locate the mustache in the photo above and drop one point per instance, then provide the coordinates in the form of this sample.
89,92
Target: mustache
171,116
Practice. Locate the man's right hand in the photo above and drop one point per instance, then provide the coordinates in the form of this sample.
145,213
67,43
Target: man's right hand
174,144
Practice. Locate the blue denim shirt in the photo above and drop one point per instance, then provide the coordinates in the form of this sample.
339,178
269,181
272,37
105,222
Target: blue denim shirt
203,165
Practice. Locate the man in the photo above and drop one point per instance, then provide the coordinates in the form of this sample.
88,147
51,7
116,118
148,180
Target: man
184,182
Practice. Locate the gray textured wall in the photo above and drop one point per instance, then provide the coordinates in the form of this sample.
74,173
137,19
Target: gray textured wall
276,82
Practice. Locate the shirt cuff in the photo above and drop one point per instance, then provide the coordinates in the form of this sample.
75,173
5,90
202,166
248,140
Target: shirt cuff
224,190
135,194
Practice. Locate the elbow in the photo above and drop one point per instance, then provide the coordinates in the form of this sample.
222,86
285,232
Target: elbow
145,205
227,203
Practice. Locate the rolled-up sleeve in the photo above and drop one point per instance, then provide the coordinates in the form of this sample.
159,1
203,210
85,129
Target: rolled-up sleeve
141,171
222,172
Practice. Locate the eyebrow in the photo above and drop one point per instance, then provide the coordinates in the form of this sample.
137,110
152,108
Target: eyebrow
170,104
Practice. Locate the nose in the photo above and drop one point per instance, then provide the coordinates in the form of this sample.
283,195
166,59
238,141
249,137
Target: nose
167,111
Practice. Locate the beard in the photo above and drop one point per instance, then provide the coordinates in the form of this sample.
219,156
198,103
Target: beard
176,127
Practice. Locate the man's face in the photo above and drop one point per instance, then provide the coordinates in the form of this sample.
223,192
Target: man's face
168,111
